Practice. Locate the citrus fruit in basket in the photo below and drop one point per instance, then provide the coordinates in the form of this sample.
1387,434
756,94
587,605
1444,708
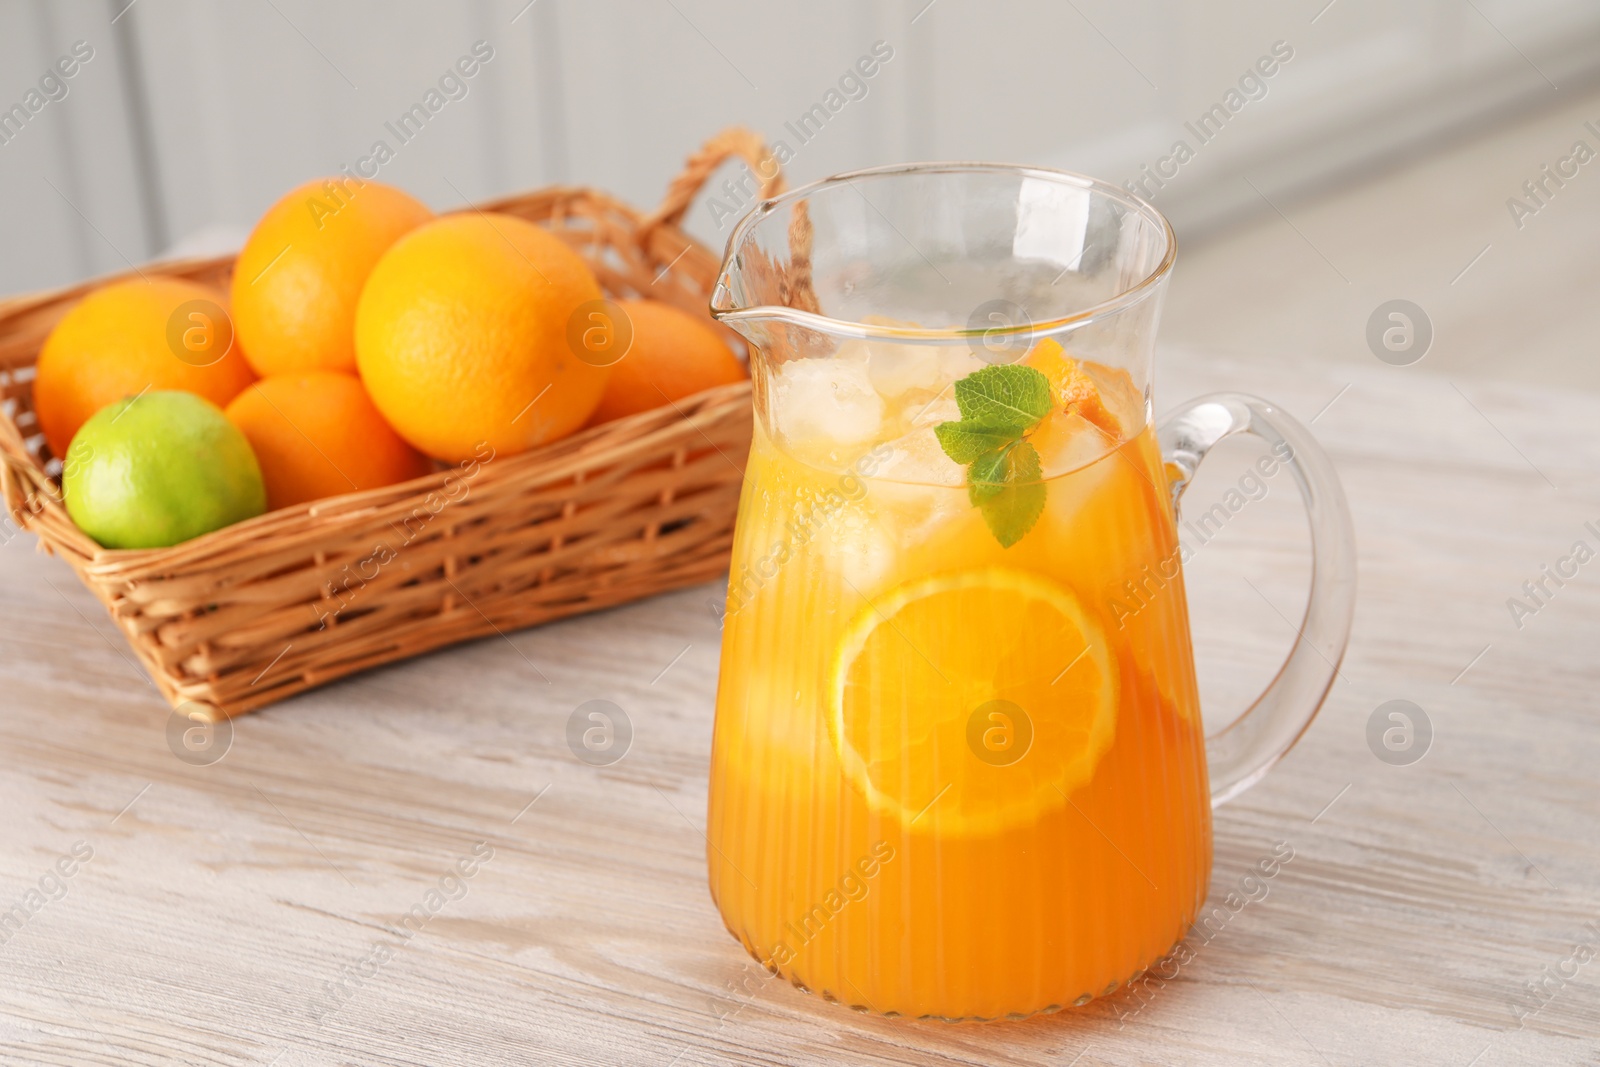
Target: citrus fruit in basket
461,336
672,355
298,277
129,337
318,434
157,469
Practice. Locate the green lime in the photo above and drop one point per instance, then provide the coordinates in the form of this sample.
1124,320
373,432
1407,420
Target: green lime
159,469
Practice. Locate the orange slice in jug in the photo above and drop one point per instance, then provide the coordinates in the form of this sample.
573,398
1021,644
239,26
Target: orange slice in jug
966,703
1073,389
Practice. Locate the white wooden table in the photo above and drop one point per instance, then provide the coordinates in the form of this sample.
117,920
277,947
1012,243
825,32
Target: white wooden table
245,912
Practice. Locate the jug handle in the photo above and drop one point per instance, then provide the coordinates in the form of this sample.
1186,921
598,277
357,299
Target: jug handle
1241,753
698,168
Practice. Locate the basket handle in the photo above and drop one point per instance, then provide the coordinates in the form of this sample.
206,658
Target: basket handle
733,141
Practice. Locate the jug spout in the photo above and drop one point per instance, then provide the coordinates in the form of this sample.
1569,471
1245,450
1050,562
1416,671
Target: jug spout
766,294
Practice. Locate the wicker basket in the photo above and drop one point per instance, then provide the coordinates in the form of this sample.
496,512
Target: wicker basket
263,609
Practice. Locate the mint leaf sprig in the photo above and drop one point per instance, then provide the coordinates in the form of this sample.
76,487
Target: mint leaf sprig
1000,405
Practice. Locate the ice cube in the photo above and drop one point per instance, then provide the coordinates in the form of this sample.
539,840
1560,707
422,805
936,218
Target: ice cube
1072,493
942,408
826,402
897,369
900,369
918,492
958,362
918,458
860,548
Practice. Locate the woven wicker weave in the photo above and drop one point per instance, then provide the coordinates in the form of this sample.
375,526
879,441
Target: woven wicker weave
263,609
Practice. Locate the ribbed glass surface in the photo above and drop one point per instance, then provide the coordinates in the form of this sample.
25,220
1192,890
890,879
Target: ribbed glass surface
877,835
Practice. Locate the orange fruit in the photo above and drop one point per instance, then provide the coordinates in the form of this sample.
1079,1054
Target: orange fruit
673,355
1073,388
461,336
131,337
915,695
318,434
298,278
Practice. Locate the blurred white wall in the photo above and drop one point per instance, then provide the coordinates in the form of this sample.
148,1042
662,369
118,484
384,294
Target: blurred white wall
191,116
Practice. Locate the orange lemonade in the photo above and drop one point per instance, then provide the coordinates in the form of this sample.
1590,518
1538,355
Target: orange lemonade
958,769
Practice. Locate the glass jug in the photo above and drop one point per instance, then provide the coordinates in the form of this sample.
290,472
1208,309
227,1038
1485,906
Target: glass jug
958,768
